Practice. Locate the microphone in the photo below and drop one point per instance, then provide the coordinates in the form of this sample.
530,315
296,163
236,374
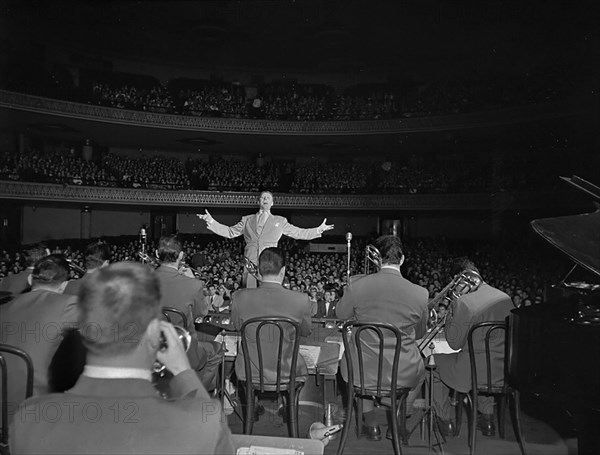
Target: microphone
143,234
348,236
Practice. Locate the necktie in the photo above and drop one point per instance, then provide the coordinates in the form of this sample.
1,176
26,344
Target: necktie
262,218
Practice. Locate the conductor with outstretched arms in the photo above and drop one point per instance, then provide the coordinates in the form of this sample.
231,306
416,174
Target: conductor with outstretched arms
262,230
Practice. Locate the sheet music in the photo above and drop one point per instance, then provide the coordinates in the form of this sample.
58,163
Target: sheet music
260,450
310,354
231,343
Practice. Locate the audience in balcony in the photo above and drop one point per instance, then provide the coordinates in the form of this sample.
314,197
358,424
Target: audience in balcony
437,172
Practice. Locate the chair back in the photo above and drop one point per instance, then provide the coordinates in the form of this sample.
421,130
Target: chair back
8,349
493,332
274,334
384,338
168,312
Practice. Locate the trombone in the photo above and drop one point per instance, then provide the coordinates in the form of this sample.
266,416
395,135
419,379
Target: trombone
252,268
372,259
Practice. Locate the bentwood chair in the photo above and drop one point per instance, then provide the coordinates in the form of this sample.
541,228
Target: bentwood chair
6,351
492,331
270,347
373,340
169,312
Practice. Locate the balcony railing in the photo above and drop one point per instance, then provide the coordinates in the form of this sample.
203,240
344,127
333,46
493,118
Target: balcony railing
46,192
513,115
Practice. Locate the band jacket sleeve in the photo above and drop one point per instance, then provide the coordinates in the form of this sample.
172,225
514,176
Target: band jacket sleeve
421,326
299,233
227,231
345,309
187,384
458,327
306,326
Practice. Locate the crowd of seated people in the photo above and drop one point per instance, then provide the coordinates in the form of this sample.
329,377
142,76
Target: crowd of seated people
419,96
438,173
155,99
515,269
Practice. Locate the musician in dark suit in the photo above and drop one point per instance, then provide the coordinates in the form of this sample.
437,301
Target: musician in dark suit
262,230
113,408
484,304
18,283
182,291
34,322
386,296
271,299
326,306
97,255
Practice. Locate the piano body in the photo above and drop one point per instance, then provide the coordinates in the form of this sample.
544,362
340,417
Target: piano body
555,346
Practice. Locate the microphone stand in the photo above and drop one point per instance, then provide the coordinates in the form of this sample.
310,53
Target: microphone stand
143,243
348,239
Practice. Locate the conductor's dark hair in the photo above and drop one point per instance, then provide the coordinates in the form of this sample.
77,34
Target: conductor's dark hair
271,261
462,263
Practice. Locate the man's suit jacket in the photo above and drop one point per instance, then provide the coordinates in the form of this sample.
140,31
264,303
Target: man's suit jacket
34,322
387,296
275,226
485,304
73,286
122,416
271,300
183,293
16,283
323,312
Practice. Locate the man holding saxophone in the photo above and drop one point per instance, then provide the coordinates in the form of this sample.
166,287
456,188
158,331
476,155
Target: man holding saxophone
386,296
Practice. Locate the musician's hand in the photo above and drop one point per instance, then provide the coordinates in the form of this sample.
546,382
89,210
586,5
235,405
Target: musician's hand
206,216
325,227
173,356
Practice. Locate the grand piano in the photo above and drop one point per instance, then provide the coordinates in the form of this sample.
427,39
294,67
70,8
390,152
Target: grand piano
555,346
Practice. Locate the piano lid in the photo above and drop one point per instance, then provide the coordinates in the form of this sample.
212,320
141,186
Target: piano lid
578,236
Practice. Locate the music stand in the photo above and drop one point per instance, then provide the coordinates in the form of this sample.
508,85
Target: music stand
224,393
430,414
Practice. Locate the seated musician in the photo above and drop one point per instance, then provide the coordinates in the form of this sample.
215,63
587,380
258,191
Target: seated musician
33,321
97,254
271,299
387,296
484,304
113,408
182,291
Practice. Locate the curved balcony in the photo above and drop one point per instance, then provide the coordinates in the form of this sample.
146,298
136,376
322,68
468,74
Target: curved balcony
534,112
180,200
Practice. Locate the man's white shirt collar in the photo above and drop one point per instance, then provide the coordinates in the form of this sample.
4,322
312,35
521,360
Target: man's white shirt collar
391,266
102,372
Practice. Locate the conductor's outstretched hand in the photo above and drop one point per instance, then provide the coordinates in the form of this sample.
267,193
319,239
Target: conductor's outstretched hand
206,216
325,227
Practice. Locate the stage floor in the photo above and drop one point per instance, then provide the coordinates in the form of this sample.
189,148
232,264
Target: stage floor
545,431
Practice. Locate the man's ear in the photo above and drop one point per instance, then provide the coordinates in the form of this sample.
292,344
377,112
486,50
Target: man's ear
152,334
180,256
30,279
402,260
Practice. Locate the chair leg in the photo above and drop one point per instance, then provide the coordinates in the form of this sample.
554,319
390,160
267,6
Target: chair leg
292,413
473,422
359,416
458,412
395,436
515,408
249,417
346,428
501,414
